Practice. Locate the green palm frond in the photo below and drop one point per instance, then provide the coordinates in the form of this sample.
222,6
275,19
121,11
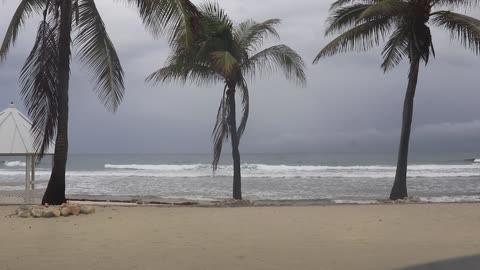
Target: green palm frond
25,9
212,10
395,49
341,3
277,58
38,80
224,62
245,96
250,34
385,8
455,3
361,37
461,27
220,130
344,18
98,54
166,16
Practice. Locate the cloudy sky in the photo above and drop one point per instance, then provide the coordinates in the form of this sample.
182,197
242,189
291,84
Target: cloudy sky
349,105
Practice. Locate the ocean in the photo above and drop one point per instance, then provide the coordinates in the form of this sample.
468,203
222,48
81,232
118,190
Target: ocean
336,177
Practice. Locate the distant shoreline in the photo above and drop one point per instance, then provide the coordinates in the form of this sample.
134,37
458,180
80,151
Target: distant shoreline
151,200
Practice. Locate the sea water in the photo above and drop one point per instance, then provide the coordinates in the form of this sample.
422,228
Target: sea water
338,177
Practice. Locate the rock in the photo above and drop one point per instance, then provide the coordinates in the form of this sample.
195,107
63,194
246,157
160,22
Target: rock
74,209
49,212
37,212
24,214
65,211
22,209
86,209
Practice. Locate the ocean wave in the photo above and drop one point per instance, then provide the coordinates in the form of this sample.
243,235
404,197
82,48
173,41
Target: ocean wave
14,164
291,171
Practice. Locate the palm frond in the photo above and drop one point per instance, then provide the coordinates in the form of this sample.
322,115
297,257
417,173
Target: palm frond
385,8
341,3
461,27
38,80
344,18
361,37
395,49
224,62
250,34
98,54
167,16
214,11
199,74
278,57
455,3
220,130
25,9
243,91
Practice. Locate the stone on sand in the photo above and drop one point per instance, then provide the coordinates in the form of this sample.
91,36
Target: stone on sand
74,209
24,213
86,209
65,211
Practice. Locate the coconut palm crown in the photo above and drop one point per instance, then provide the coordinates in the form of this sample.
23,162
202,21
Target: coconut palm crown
45,75
404,27
229,54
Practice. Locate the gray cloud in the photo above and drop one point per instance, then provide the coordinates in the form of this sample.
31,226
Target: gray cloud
348,105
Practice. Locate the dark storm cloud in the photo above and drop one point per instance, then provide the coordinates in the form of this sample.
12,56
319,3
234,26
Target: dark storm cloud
348,104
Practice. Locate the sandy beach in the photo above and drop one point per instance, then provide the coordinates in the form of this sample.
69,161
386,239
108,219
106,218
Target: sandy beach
315,237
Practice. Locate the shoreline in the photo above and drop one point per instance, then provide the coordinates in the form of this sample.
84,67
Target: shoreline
153,200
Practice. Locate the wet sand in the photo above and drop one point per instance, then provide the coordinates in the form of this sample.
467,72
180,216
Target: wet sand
312,237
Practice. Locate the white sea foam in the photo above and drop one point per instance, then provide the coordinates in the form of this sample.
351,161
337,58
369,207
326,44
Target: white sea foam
14,164
289,171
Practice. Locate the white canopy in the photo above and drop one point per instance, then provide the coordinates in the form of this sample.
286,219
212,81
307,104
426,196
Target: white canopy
15,135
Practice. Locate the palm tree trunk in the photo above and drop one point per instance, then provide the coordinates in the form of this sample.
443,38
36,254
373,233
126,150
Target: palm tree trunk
55,193
232,122
399,189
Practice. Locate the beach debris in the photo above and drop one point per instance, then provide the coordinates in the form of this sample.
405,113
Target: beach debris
53,211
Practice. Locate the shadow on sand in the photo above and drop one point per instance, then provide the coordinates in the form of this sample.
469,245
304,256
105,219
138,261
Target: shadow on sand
461,263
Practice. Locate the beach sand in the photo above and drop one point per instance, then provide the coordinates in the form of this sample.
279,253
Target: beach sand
175,238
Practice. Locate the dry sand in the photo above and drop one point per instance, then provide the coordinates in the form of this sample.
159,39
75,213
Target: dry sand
317,237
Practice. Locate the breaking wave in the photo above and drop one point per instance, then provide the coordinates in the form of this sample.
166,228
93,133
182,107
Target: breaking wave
14,164
289,171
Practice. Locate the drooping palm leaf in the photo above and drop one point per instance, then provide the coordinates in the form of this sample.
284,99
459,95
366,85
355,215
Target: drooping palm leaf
461,27
385,8
25,9
361,37
98,54
38,80
455,3
166,16
220,130
344,18
277,58
245,96
250,34
395,49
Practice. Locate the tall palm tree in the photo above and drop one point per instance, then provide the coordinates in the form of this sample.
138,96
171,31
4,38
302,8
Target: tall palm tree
45,76
405,25
225,53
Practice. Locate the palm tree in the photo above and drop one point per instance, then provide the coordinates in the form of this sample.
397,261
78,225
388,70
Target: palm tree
404,24
45,76
226,53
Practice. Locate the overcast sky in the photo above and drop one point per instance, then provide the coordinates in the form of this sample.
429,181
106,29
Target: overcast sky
349,105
